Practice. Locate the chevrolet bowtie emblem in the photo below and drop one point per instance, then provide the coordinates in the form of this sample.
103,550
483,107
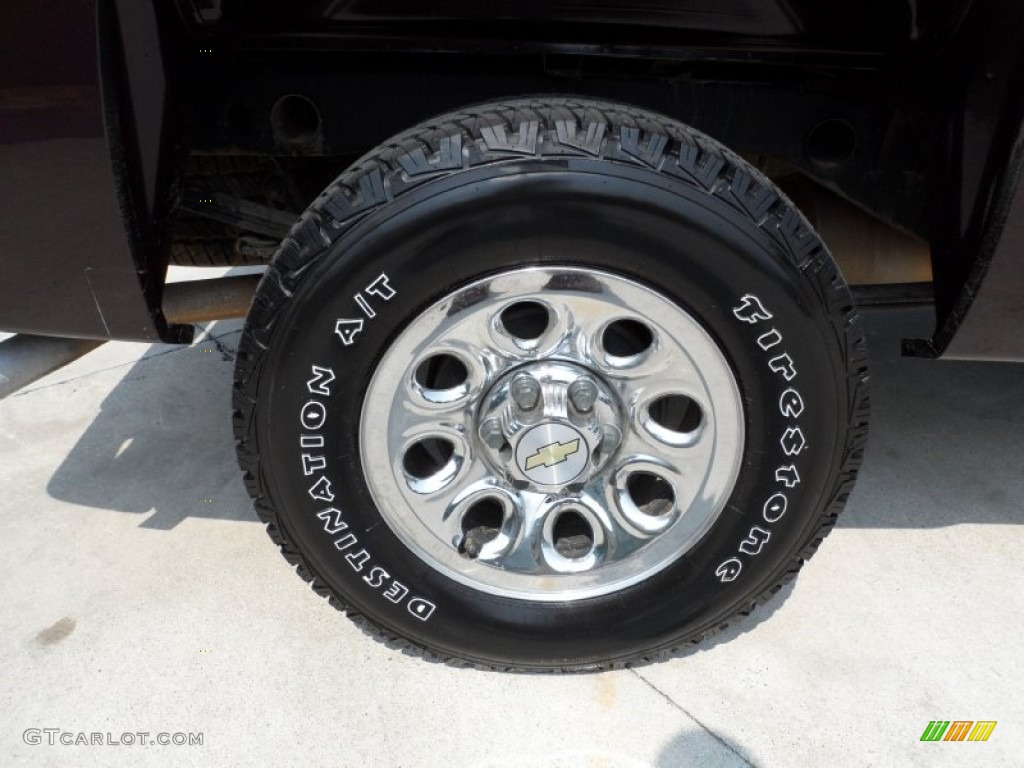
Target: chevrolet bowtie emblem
554,453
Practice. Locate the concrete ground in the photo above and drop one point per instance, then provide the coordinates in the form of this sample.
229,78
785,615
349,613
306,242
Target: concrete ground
139,594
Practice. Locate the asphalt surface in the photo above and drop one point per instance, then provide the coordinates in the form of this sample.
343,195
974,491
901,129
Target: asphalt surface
140,594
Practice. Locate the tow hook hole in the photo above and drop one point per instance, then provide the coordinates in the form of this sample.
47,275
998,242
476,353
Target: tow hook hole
831,143
295,121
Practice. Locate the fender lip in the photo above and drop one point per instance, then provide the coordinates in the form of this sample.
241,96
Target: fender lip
984,322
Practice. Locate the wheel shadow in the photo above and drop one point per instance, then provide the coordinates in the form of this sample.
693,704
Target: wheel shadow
695,749
161,446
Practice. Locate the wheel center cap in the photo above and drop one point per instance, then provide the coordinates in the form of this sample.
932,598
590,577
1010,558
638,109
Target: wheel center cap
549,425
552,454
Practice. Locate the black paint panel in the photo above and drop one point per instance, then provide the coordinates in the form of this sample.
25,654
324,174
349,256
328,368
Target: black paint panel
931,87
75,261
59,214
866,25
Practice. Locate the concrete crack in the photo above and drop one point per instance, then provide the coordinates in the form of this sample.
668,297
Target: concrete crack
226,353
711,733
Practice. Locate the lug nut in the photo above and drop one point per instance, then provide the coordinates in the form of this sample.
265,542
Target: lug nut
491,434
610,439
525,391
583,394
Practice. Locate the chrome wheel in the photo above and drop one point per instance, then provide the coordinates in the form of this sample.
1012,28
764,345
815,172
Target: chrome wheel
551,433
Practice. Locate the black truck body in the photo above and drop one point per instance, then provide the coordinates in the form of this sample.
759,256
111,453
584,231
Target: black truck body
912,110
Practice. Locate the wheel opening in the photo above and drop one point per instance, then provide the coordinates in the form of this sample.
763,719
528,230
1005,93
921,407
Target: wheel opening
427,457
481,524
651,494
441,372
676,413
572,535
525,320
626,338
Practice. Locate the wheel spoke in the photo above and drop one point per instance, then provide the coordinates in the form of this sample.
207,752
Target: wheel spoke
439,507
661,365
524,553
622,535
683,466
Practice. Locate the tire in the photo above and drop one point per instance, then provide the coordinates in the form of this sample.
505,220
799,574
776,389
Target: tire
201,243
735,378
280,184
